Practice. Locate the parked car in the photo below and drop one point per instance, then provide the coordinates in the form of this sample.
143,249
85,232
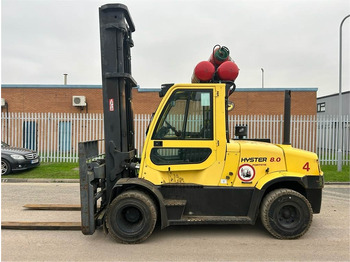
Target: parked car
16,159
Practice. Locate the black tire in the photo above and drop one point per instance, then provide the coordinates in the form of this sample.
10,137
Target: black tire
131,217
286,214
5,167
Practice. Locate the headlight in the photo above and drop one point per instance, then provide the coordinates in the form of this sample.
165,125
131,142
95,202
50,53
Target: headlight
17,157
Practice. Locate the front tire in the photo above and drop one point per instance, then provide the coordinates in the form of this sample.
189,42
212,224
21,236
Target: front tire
131,217
286,214
5,167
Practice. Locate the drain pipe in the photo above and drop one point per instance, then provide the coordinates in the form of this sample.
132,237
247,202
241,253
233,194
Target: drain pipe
287,110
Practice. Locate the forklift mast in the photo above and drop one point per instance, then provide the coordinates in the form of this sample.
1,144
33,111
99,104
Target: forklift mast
99,174
116,27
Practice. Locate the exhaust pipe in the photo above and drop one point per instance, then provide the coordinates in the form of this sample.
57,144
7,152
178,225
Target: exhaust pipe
65,79
287,109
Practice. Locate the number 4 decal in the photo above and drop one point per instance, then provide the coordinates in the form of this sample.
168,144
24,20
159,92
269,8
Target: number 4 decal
306,166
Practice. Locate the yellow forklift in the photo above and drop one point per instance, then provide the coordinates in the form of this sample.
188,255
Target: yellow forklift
190,171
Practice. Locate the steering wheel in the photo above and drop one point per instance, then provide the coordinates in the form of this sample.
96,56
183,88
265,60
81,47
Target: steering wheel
177,132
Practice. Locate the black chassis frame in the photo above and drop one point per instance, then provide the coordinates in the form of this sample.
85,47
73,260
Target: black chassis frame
197,204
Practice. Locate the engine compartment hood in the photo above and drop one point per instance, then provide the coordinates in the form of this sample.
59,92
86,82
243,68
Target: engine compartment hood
254,149
268,158
16,150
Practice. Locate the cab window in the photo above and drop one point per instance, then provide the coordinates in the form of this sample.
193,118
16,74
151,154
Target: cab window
187,115
177,156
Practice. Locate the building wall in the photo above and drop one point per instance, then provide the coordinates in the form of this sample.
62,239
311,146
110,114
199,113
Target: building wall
50,98
271,102
329,105
58,98
145,102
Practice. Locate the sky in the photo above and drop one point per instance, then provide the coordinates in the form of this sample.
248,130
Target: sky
296,42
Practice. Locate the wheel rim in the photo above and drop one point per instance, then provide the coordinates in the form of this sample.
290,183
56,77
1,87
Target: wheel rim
132,215
4,167
288,216
130,219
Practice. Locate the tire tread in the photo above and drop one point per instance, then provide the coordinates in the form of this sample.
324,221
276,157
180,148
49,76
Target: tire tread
140,196
268,201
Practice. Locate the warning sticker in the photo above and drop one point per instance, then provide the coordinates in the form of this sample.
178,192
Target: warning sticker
111,105
246,172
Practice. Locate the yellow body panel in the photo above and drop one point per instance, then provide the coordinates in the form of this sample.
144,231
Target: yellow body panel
301,161
257,159
238,163
209,176
229,173
272,176
269,177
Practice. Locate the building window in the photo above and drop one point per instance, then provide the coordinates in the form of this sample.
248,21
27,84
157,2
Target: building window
321,107
30,135
65,136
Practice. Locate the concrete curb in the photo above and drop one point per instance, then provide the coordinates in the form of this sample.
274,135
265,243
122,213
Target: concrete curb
337,183
37,180
44,180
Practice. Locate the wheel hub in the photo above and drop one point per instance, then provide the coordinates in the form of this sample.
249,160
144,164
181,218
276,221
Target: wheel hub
287,215
132,214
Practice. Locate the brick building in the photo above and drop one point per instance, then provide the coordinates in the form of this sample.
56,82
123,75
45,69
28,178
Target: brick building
59,98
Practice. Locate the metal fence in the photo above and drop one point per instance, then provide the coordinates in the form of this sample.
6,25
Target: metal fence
55,136
327,139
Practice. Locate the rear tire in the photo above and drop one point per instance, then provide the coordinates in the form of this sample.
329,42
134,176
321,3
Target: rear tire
131,217
286,214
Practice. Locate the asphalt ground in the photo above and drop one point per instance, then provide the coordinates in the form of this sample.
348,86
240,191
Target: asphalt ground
327,239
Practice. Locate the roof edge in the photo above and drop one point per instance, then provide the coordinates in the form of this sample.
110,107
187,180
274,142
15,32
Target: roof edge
146,89
50,86
336,94
277,89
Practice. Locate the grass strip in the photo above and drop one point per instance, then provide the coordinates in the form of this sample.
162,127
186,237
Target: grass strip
71,171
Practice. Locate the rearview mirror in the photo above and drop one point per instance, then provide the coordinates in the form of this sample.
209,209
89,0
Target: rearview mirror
230,106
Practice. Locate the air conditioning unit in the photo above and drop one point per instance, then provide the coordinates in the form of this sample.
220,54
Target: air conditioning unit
3,102
79,101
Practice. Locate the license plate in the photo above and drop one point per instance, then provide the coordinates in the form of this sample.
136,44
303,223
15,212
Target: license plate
35,161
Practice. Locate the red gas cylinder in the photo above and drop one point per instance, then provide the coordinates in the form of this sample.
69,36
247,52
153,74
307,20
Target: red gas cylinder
203,72
228,71
220,54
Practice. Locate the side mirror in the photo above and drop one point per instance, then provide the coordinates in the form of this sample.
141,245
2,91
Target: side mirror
230,106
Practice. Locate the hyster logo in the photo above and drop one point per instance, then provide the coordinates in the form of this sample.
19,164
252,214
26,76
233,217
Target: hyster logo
253,159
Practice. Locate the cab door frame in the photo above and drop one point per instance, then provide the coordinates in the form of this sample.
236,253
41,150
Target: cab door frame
158,173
